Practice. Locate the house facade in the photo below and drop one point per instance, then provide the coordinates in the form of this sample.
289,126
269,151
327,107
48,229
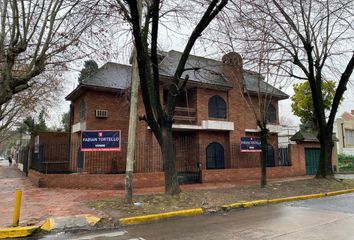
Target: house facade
210,118
344,128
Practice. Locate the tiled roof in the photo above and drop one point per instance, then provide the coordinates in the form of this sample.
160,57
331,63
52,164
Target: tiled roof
110,75
254,83
209,73
347,116
209,70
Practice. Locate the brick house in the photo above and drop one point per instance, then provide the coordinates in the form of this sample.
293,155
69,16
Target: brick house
210,118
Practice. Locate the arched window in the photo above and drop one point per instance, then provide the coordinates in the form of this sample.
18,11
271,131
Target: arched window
271,114
82,110
217,107
215,156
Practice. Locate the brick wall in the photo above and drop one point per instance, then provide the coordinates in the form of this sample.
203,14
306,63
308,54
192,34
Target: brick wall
95,181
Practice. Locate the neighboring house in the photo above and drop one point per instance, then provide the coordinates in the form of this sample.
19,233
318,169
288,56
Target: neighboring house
344,129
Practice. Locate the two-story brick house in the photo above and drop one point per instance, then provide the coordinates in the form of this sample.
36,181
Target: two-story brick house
210,117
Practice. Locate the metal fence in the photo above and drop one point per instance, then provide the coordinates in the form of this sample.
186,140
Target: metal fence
67,158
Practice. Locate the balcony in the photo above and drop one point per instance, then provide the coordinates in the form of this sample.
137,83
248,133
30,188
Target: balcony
185,115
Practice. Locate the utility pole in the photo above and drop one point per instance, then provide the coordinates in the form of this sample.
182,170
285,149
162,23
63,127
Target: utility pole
132,121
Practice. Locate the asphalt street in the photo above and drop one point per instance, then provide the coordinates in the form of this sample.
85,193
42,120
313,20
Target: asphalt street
324,218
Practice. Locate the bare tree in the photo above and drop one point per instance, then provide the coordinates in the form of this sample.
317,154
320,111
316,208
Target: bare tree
41,35
42,94
311,41
159,117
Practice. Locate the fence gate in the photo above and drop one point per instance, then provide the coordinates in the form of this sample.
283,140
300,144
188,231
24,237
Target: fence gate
312,158
190,175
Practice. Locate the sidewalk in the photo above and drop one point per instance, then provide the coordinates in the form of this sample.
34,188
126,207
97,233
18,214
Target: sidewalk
40,203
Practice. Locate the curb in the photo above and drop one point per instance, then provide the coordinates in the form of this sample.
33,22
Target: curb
52,224
249,204
198,211
15,232
159,216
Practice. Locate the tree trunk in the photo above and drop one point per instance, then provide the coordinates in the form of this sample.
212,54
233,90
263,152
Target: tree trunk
326,145
169,160
264,157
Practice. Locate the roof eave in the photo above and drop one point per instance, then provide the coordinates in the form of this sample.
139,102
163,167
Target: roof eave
75,93
278,96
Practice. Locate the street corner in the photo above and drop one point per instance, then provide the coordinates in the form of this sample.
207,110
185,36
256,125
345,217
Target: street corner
17,232
67,223
159,216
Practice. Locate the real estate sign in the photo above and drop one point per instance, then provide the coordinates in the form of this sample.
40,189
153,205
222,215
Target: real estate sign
250,144
100,140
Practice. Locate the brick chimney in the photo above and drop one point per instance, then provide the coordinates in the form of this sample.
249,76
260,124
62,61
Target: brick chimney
233,59
232,65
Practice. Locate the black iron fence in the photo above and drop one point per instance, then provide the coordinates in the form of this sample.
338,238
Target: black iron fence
190,157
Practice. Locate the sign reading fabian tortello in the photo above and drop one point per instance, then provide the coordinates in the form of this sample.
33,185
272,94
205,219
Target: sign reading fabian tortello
251,144
100,141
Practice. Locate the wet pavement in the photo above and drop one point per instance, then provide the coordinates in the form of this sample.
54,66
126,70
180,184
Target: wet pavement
315,219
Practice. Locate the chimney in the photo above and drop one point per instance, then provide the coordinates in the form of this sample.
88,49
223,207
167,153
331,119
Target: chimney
233,59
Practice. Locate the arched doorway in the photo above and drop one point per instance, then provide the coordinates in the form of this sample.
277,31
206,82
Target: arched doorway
215,156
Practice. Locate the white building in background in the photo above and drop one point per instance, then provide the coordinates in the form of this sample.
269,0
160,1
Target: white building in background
344,129
285,134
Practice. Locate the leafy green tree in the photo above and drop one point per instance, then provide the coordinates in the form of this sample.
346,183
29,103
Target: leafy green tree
29,125
90,67
302,104
65,121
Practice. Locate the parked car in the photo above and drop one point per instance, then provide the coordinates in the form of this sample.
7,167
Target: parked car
2,158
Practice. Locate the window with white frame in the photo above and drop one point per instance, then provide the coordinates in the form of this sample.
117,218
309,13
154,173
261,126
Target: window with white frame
349,137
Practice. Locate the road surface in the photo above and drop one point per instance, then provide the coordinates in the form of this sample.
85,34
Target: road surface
324,218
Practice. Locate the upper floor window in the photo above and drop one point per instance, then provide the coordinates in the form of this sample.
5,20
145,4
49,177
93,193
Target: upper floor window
217,107
82,110
271,114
